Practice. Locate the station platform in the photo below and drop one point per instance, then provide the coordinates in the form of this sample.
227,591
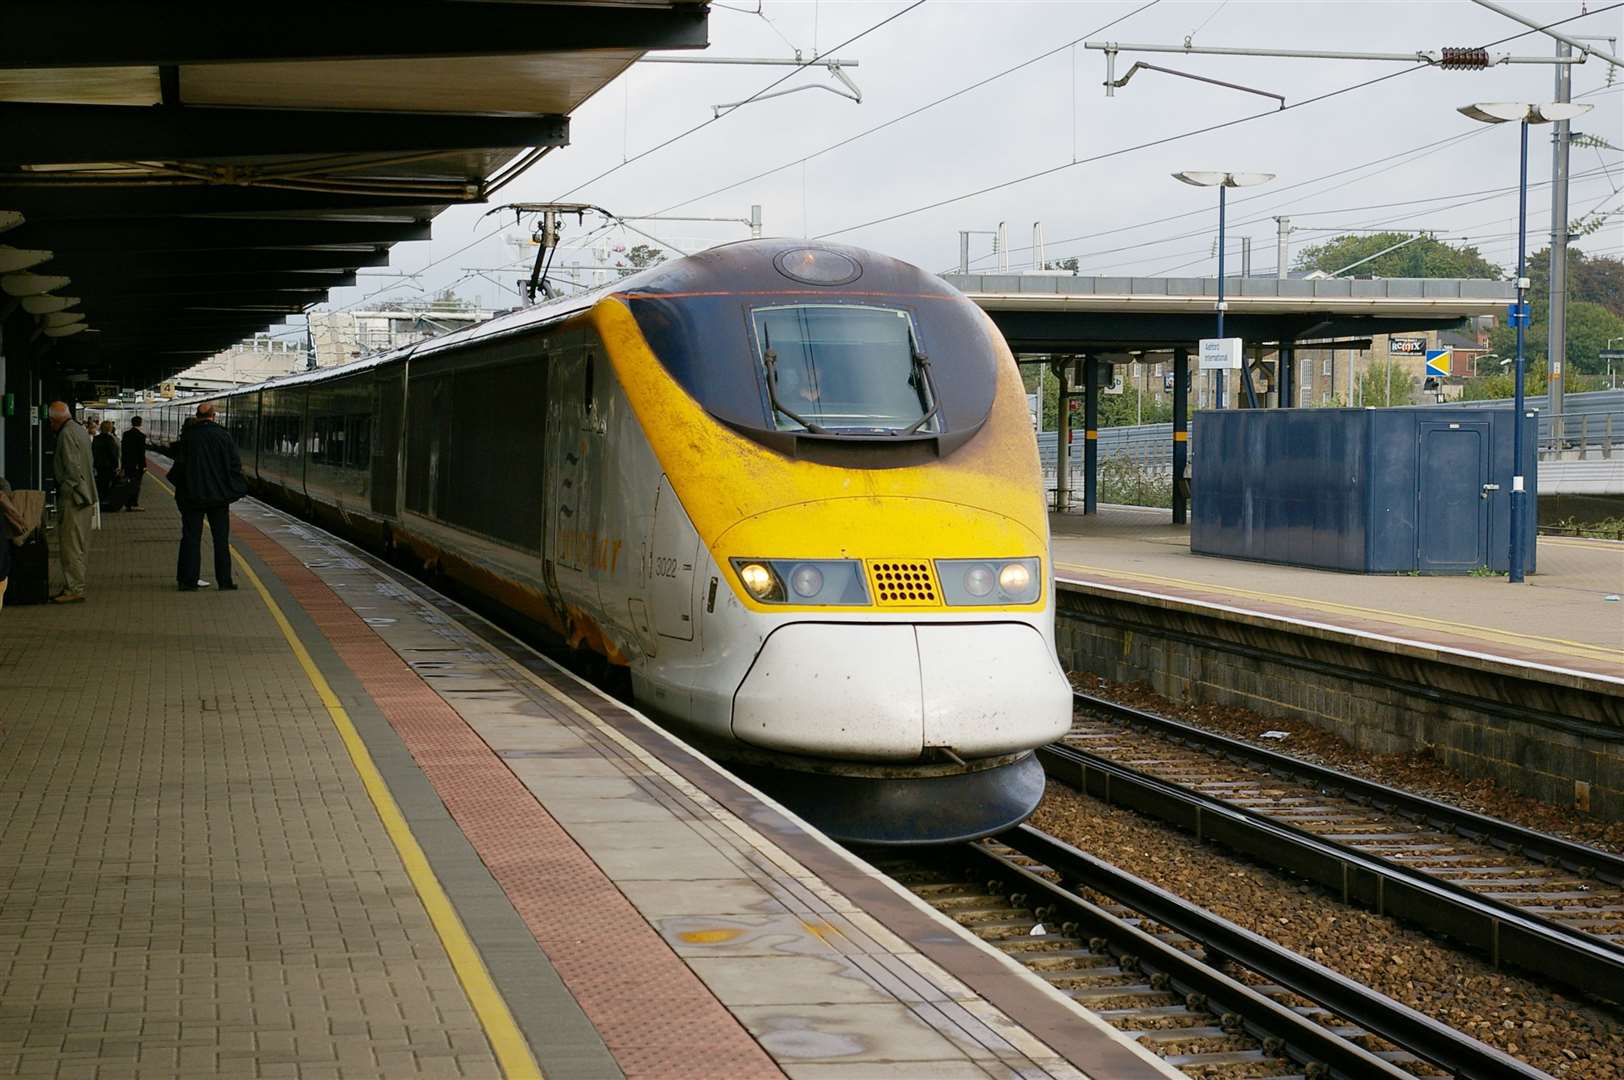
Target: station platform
332,824
1569,617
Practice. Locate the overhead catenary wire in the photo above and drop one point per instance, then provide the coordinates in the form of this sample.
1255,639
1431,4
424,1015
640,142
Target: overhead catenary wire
1178,136
716,118
1270,194
960,92
1053,244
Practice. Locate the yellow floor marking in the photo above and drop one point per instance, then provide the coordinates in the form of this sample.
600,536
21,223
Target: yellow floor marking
1506,637
512,1051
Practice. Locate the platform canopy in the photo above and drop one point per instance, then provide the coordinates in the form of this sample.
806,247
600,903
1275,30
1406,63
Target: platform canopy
199,171
1070,314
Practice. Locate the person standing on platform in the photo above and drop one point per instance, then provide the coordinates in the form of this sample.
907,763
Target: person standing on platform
104,452
208,478
134,460
75,500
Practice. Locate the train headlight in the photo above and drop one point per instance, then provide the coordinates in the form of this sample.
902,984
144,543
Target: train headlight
989,582
812,582
1015,579
806,580
761,581
979,580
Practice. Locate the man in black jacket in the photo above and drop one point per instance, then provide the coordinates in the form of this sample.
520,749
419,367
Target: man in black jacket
208,478
133,452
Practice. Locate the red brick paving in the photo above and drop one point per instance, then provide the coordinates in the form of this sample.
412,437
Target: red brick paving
654,1014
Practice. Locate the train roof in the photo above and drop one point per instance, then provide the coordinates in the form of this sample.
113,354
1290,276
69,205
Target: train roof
739,267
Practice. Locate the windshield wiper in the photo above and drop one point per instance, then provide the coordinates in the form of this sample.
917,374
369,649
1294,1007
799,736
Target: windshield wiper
769,359
921,364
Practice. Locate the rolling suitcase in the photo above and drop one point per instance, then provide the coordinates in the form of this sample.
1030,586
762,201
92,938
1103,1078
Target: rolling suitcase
30,581
118,495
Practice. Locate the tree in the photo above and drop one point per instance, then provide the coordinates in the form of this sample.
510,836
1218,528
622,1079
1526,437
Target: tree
1589,328
640,257
1387,382
1063,264
1115,410
1120,410
1426,258
1596,280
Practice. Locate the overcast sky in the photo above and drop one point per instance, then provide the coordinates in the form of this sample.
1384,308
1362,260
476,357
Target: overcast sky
1111,213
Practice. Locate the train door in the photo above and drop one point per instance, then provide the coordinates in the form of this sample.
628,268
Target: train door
389,404
674,554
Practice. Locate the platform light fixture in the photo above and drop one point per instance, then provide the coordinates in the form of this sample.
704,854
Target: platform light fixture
1523,114
44,303
1223,181
26,284
14,258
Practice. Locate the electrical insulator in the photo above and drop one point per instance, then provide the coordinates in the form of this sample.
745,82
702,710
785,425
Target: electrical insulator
1464,59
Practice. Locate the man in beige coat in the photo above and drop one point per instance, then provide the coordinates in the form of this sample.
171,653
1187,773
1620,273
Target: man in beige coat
75,501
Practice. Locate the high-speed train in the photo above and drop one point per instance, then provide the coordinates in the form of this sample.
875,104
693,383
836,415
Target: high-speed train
791,488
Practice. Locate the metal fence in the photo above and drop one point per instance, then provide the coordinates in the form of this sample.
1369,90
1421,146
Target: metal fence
1591,426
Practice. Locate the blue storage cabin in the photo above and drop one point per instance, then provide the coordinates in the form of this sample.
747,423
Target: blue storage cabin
1370,491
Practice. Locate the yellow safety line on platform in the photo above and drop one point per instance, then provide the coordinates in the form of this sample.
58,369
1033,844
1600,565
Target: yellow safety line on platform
512,1051
1504,637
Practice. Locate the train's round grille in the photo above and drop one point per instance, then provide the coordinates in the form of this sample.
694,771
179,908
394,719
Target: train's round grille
903,584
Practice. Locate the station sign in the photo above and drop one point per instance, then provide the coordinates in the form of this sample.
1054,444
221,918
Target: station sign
1439,362
1406,346
1218,354
1610,354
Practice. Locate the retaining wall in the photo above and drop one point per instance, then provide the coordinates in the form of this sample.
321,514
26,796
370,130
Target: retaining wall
1557,736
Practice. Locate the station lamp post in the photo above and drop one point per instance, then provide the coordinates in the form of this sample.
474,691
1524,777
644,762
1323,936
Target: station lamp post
1502,112
1223,181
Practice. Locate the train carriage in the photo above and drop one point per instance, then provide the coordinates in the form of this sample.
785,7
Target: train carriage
791,489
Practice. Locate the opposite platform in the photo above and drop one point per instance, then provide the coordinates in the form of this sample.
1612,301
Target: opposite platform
334,825
1561,618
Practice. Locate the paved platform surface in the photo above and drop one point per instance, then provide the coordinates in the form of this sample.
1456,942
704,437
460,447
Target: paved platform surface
331,825
1560,617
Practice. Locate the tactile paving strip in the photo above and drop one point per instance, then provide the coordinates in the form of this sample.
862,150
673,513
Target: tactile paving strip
654,1014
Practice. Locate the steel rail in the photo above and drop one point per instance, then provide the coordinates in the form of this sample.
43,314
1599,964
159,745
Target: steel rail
1222,940
1281,1028
1507,935
1551,850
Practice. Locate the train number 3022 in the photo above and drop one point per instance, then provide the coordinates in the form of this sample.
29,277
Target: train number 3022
665,567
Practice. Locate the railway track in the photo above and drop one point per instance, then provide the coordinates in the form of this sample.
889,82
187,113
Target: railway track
1212,999
1524,899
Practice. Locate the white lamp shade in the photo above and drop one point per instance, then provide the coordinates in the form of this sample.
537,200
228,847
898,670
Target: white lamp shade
10,219
1495,112
42,304
1501,112
1556,111
13,259
63,318
66,331
30,284
1197,178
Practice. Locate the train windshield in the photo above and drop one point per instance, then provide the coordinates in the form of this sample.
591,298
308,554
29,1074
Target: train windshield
843,369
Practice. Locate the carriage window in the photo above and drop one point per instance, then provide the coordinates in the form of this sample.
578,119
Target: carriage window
836,368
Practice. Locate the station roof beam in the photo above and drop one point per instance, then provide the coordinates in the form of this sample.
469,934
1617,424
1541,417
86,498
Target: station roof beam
79,134
241,160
